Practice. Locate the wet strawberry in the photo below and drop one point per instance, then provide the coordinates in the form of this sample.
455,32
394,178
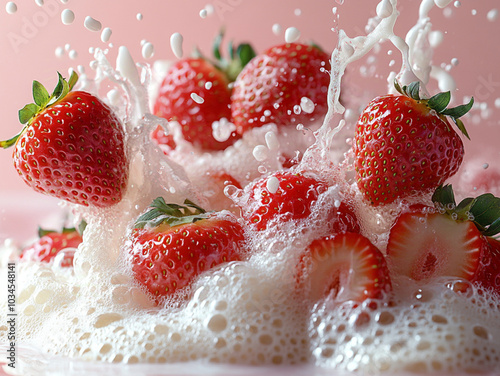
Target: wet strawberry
72,147
405,145
172,245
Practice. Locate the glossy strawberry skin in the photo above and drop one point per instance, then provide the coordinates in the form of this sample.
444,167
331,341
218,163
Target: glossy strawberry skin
488,272
347,264
74,150
48,246
293,200
174,102
167,259
274,82
401,149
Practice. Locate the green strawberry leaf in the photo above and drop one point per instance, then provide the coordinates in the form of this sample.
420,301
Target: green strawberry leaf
439,102
27,112
217,44
73,78
493,229
460,125
245,53
459,111
413,90
40,95
172,214
443,195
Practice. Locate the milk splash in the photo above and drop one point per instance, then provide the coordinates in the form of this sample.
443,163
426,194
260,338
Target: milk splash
247,312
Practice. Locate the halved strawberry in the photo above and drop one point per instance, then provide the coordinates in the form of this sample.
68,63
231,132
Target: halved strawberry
346,265
451,241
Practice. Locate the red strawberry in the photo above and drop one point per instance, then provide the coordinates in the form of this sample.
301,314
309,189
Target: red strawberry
489,269
453,241
347,265
165,141
275,82
172,245
188,78
292,201
404,145
50,243
72,146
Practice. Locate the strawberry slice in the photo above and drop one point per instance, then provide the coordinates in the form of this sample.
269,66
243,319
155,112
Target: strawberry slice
348,266
424,245
452,241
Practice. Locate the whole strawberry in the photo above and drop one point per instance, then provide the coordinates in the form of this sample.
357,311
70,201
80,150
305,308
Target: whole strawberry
287,84
171,245
72,146
196,93
292,199
50,243
405,145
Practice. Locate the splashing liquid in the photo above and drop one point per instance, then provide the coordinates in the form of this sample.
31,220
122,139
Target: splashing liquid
248,313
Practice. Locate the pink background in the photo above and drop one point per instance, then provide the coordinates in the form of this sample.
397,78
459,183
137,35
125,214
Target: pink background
30,36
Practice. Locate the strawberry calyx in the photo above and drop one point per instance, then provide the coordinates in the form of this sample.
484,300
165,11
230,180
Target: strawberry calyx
438,103
160,212
238,57
42,100
65,230
483,211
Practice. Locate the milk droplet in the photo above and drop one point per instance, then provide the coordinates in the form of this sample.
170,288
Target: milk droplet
272,184
73,54
497,103
297,12
384,9
67,16
222,129
39,2
59,52
492,15
292,34
457,4
277,29
176,44
148,50
208,85
92,24
473,12
486,165
106,34
197,98
126,65
260,153
203,13
436,38
272,141
114,97
139,16
454,61
442,3
11,7
210,9
307,105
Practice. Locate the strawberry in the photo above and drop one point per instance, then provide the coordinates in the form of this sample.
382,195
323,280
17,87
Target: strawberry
171,245
271,88
346,265
292,200
72,146
195,78
50,243
404,145
165,141
452,241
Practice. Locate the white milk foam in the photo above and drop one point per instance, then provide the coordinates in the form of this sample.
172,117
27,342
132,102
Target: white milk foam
248,312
